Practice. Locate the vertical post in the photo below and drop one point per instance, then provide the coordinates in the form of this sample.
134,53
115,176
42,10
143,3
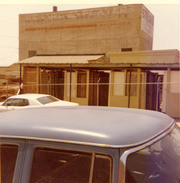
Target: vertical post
110,88
157,95
7,89
168,79
138,88
129,91
70,82
37,79
20,77
65,84
87,85
98,91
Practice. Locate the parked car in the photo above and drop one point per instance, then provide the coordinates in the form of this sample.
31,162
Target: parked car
33,100
88,144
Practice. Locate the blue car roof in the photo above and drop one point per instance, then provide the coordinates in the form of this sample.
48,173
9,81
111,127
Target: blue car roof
97,126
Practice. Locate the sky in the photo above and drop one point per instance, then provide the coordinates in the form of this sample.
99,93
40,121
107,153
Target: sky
166,21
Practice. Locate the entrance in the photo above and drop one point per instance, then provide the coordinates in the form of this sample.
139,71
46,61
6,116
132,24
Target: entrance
98,88
52,82
154,91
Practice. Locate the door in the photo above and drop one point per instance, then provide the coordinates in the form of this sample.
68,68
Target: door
98,88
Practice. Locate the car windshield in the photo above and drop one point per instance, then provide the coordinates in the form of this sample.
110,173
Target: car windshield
47,99
158,163
16,102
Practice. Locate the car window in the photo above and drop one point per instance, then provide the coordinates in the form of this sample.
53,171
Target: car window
16,102
8,155
47,99
102,169
158,163
54,165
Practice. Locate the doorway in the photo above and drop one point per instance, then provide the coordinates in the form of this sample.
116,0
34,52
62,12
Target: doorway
98,88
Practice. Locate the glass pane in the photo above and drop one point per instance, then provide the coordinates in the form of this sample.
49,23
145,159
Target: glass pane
159,163
102,169
47,99
16,102
8,155
58,166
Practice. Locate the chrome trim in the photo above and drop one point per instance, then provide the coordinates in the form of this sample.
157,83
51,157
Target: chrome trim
123,158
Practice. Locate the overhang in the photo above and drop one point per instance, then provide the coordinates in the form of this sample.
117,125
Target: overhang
51,60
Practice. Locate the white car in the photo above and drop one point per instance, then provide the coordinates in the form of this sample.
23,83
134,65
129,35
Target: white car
33,100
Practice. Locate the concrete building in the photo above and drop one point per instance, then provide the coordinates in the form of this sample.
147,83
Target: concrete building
86,31
99,56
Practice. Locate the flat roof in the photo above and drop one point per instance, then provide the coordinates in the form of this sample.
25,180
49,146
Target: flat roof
84,59
97,126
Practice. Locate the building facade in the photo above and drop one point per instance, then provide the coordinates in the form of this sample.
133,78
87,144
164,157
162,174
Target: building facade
99,56
86,31
117,79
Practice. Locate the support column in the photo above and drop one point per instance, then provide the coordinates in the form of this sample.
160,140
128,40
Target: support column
139,87
37,79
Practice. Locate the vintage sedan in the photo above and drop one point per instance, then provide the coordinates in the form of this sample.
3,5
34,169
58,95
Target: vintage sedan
88,145
33,100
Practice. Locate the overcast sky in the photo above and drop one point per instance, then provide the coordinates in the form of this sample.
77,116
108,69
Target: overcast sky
166,25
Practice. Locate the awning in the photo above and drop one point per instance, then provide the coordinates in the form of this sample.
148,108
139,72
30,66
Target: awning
61,59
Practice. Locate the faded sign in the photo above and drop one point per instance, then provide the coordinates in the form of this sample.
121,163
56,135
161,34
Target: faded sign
77,14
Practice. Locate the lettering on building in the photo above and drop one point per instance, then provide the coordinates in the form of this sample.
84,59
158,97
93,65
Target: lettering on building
78,14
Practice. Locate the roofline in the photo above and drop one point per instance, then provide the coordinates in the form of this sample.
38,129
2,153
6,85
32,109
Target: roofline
105,66
154,138
85,9
144,52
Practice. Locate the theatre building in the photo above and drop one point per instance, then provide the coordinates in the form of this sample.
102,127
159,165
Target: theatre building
97,56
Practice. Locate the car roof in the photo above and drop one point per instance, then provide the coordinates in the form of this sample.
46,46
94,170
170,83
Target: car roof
29,96
97,126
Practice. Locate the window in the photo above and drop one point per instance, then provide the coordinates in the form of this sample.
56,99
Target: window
8,154
47,99
81,84
126,49
102,169
158,163
16,102
55,165
119,78
32,53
